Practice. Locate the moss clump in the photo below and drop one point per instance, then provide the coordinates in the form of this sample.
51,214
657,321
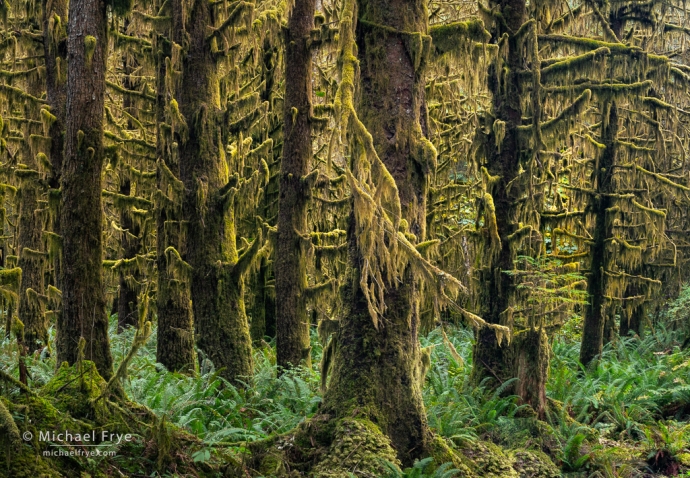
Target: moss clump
490,460
442,453
359,445
33,414
74,390
534,464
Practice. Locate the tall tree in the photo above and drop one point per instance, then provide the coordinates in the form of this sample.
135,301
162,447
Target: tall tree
374,354
212,197
292,322
81,220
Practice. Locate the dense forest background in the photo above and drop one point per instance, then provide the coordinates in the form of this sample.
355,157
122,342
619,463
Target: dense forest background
339,238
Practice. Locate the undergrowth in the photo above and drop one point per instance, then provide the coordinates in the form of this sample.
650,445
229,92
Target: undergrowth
626,416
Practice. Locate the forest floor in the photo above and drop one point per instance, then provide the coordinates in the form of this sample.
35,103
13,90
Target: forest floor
628,417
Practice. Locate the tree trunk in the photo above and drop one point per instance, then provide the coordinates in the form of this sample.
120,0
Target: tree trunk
532,352
83,298
127,309
221,327
503,160
130,243
376,373
30,241
292,339
55,57
593,329
175,344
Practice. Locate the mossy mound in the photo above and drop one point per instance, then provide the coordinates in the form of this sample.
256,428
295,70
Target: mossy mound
443,453
74,390
490,461
31,415
359,447
67,403
323,447
534,464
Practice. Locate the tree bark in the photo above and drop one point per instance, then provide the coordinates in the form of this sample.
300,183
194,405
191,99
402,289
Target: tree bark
292,338
593,329
30,241
81,220
175,344
376,373
495,287
217,285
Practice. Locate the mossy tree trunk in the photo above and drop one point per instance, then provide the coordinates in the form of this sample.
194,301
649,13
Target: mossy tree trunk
175,340
292,338
130,243
595,310
81,220
217,284
55,55
263,312
127,309
631,318
503,161
376,373
532,367
30,238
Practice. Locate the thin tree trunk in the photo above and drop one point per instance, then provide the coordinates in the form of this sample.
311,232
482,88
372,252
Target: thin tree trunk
593,329
30,242
83,298
495,287
175,344
292,339
127,309
55,57
127,303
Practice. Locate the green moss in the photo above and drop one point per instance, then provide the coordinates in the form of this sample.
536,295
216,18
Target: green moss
358,444
533,464
490,460
89,48
442,453
74,391
452,36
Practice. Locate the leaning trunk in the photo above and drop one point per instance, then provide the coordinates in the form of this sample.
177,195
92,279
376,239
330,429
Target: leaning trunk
81,220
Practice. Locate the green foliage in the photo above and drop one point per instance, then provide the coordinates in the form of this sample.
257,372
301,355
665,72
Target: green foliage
421,469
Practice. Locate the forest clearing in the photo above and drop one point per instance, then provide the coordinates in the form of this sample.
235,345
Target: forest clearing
344,238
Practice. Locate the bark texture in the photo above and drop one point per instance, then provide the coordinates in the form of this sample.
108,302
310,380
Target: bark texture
81,220
376,373
595,313
292,338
